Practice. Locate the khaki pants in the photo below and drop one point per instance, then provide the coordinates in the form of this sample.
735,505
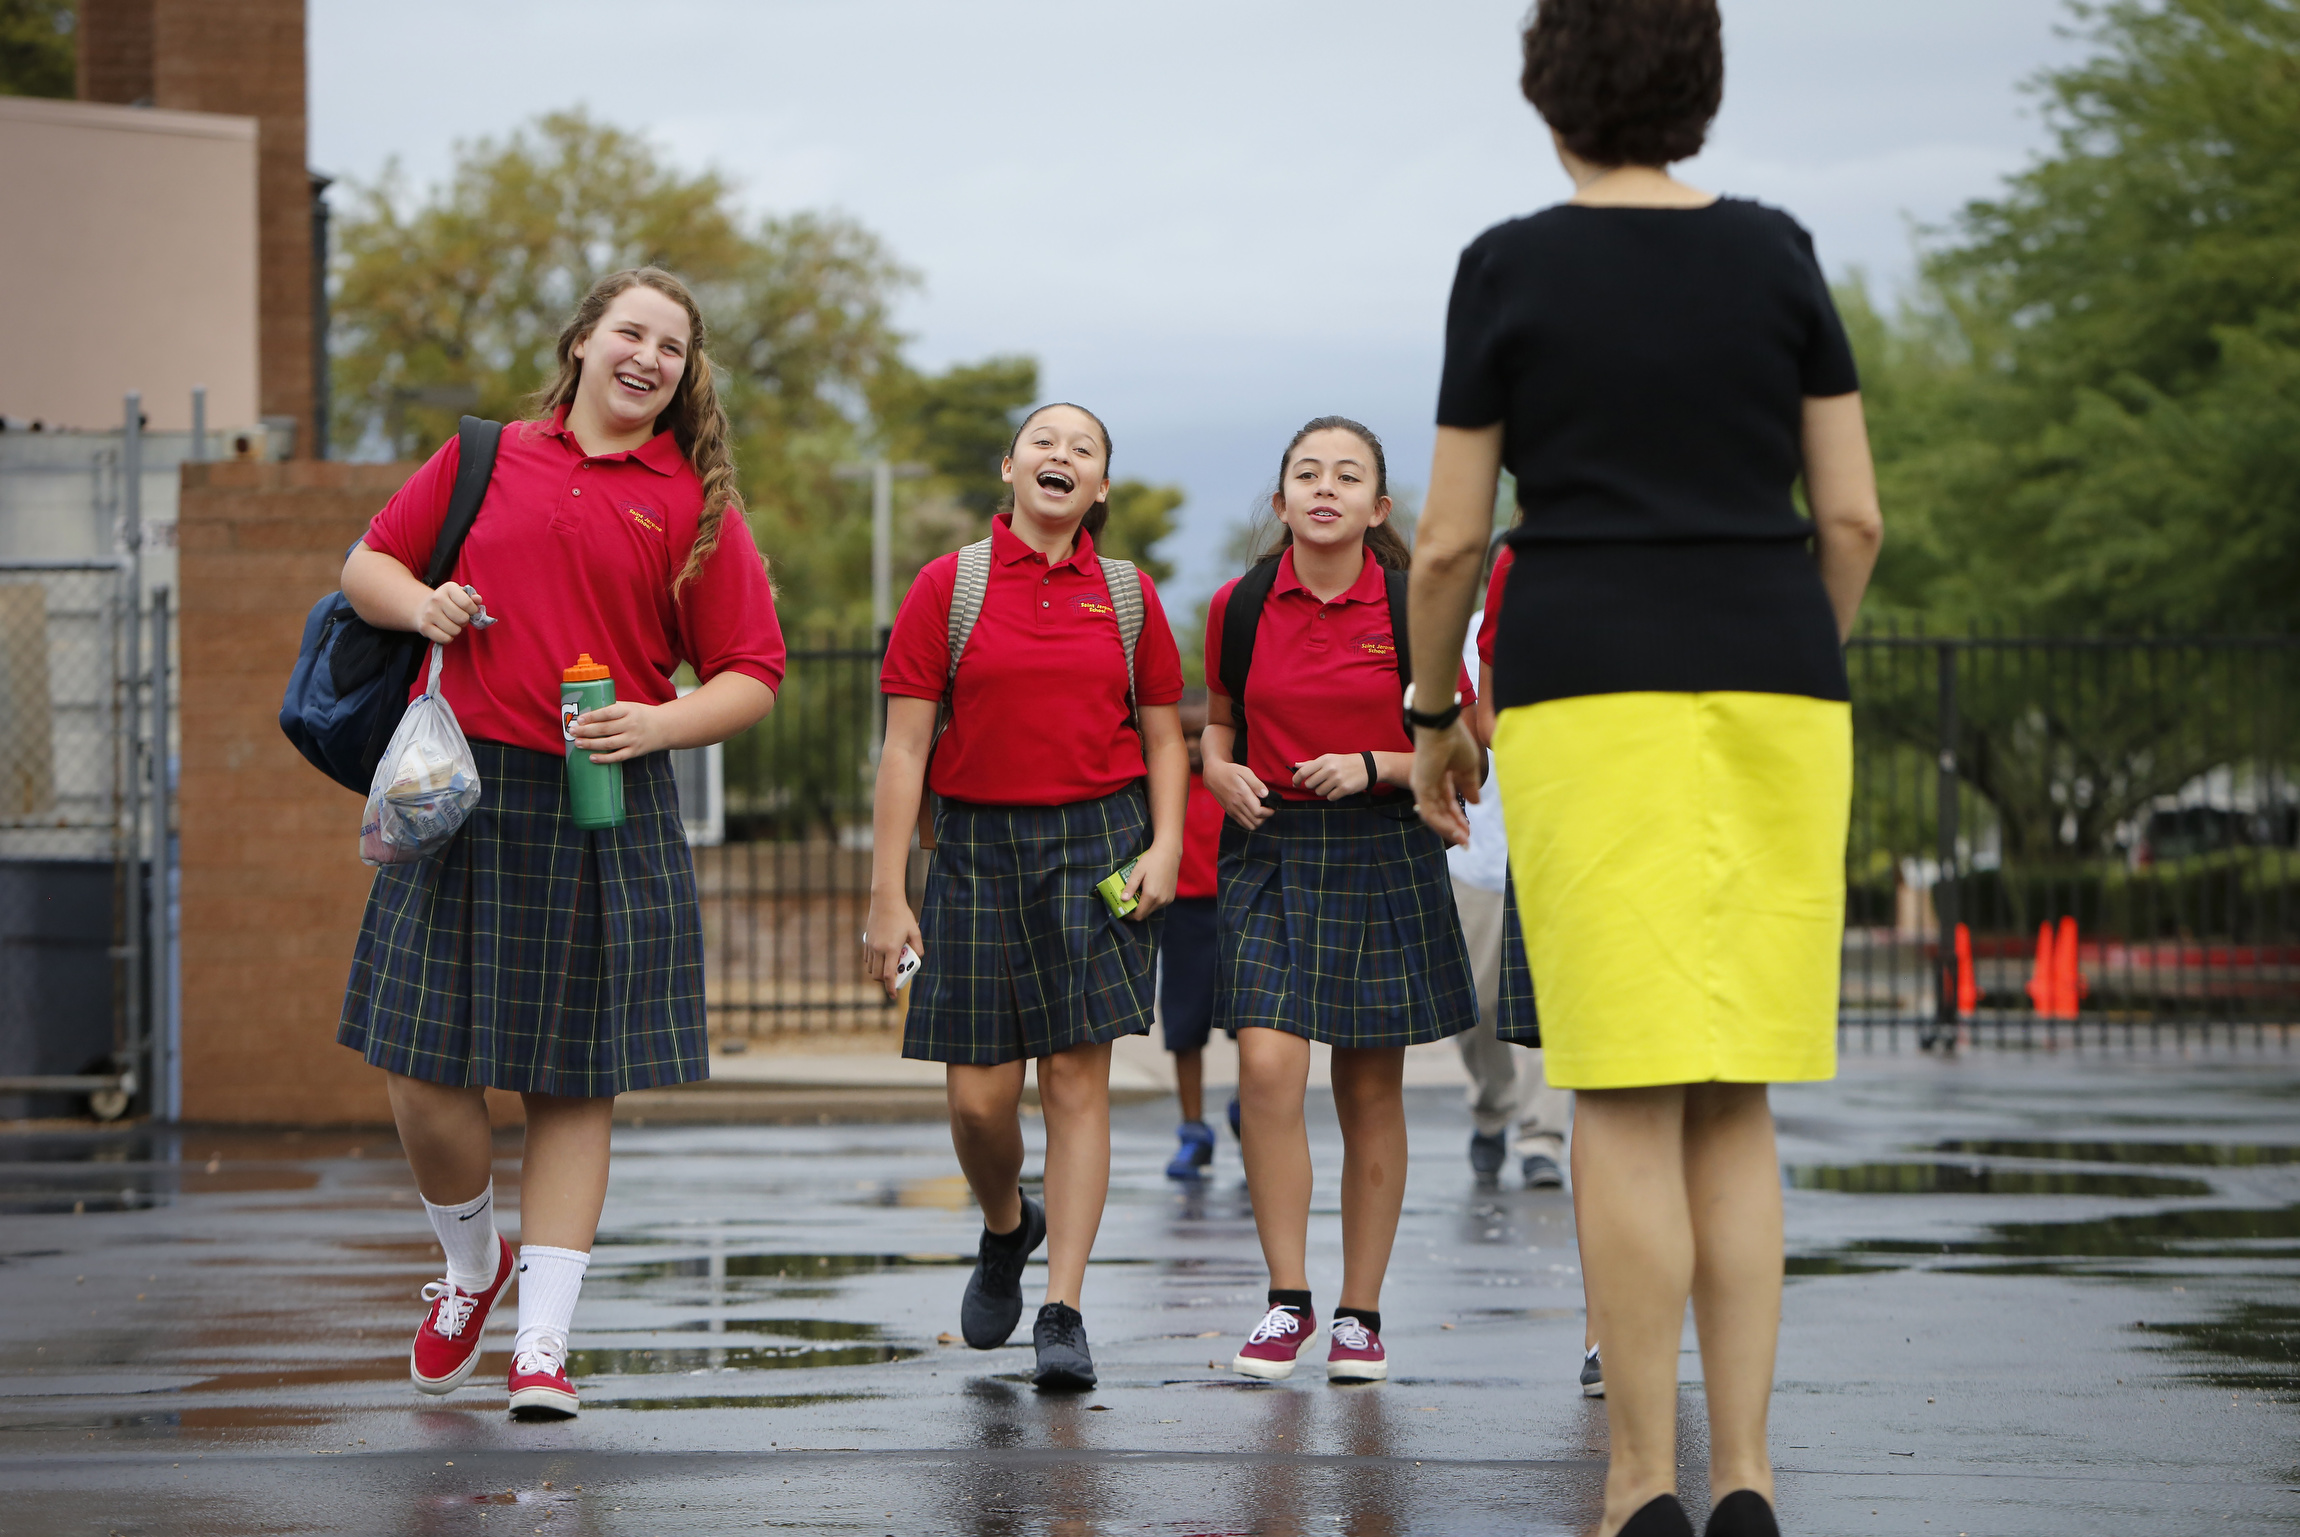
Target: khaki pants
1500,1094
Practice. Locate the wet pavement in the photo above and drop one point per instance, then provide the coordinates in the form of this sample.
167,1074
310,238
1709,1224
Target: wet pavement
2028,1294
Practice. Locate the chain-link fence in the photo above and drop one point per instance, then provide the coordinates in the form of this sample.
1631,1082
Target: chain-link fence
80,809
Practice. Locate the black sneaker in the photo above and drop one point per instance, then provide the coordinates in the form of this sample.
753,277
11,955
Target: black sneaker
1592,1375
1487,1153
992,1305
1542,1172
1063,1359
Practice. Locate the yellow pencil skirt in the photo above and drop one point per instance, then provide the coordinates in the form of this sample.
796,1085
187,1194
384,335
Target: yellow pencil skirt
1680,869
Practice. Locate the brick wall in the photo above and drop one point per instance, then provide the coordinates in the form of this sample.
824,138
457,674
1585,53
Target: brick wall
115,47
273,885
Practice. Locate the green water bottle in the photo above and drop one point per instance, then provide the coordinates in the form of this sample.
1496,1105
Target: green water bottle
594,789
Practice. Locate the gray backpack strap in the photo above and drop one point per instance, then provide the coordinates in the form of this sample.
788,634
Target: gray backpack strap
1125,584
966,595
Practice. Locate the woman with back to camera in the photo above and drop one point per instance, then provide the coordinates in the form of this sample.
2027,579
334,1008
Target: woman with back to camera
530,954
1658,367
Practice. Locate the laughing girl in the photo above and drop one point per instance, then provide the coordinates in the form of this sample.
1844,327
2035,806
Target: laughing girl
1060,682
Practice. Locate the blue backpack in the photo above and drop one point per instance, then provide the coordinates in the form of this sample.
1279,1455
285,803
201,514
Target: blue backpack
351,679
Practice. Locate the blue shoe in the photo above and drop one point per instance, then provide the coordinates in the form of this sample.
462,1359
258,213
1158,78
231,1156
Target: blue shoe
1487,1151
1196,1151
1234,1117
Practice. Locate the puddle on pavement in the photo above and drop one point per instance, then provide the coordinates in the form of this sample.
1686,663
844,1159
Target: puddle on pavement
781,1267
2213,1155
2193,1233
786,1328
2261,1339
615,1361
730,1401
1982,1179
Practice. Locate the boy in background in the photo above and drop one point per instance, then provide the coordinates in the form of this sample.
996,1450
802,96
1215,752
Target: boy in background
1186,956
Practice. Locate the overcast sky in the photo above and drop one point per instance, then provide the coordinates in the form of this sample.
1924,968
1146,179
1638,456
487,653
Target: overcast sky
1208,219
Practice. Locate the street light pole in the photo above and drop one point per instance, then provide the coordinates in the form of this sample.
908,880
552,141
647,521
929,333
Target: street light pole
882,475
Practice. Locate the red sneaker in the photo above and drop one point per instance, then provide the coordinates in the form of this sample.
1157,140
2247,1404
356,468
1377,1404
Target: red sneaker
1276,1340
1356,1354
540,1386
447,1341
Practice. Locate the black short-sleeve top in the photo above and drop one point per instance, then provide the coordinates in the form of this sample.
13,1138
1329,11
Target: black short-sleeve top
1649,367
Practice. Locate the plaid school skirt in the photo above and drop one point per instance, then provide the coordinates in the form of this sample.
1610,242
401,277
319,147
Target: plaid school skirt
1338,924
530,954
1023,960
1515,1019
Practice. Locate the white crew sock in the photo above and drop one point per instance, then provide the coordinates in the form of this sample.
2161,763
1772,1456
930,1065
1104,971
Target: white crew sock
549,1282
467,1233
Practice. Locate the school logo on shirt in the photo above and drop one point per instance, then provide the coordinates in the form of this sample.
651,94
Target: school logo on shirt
1377,643
645,517
1087,603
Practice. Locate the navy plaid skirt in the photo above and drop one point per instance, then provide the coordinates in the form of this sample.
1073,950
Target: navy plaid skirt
1515,1019
1022,957
1338,924
533,955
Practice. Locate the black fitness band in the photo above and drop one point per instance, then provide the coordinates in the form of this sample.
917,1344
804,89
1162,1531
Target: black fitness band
1373,775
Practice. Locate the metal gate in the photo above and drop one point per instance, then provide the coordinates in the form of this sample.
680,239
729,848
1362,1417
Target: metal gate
84,964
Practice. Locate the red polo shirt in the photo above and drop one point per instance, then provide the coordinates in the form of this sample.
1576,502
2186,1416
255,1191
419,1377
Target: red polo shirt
1325,676
1201,842
1038,711
574,553
1490,624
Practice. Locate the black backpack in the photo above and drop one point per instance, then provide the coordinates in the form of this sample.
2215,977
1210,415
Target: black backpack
351,679
1242,622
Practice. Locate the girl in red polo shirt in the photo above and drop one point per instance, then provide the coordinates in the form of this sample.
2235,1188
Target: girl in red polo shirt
1337,915
532,955
1040,777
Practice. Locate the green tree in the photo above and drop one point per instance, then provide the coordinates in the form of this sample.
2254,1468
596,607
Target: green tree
1141,515
39,53
2089,418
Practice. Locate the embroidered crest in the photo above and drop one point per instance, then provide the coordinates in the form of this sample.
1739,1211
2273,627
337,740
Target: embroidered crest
1377,643
1088,603
643,516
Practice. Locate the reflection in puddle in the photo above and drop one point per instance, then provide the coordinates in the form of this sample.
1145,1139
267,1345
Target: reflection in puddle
2263,1338
2214,1155
2192,1233
617,1362
729,1401
1981,1179
782,1267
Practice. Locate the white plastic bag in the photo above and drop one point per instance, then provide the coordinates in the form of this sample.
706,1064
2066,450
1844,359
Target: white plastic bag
426,784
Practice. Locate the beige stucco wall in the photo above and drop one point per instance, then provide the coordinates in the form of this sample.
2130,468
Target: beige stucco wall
128,255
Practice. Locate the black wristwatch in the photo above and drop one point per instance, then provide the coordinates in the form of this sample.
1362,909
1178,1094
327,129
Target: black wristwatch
1434,720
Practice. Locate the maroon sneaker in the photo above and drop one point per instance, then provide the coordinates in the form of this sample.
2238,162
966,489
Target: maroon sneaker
447,1341
1356,1354
1276,1340
540,1386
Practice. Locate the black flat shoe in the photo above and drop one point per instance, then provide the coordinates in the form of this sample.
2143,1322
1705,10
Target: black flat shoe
1743,1513
1660,1516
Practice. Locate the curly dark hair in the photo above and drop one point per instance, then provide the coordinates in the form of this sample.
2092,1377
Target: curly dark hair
1626,82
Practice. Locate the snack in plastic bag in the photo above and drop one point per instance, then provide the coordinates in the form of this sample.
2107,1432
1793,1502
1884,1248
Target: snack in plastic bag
426,784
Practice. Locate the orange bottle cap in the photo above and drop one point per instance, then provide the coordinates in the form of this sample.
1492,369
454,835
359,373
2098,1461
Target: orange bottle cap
585,670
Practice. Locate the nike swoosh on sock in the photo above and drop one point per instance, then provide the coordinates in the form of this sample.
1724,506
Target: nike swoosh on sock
468,1215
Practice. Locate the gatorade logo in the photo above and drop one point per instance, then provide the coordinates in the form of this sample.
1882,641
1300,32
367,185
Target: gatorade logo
1087,603
1375,643
569,708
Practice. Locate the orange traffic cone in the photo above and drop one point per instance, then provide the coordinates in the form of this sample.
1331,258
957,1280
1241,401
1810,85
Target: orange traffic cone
1968,987
2068,982
2040,986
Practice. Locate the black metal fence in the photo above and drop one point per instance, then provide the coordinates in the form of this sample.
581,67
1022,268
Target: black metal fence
2138,801
2054,838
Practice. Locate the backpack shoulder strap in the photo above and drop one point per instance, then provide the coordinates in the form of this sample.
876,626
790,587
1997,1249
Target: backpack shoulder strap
477,440
1241,622
1400,629
1125,584
967,590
